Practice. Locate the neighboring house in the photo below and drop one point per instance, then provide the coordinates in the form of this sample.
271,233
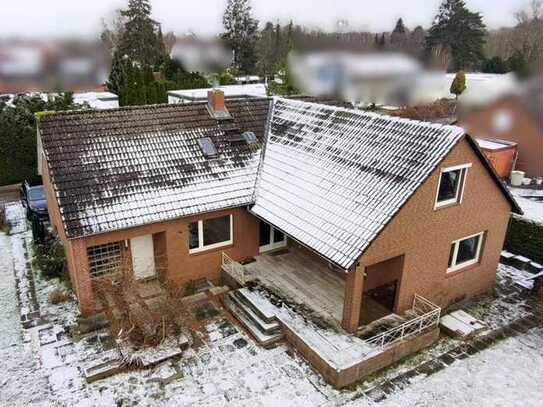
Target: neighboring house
386,207
230,91
516,118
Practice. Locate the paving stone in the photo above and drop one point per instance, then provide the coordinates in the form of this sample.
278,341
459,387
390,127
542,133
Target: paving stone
447,359
376,394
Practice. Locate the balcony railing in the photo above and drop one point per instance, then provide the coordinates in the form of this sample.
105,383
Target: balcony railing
427,317
234,269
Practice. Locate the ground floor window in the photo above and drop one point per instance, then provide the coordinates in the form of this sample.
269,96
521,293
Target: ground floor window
105,259
465,252
210,233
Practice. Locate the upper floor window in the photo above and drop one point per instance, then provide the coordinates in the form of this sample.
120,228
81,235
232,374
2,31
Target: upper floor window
210,233
465,252
451,185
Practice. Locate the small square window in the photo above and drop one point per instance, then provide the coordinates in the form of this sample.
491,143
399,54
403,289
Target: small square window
451,184
465,252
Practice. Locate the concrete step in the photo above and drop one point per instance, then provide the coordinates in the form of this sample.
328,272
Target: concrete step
268,328
261,337
260,306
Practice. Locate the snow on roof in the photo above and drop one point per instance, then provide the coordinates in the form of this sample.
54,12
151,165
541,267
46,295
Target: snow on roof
494,144
98,100
256,90
332,178
116,169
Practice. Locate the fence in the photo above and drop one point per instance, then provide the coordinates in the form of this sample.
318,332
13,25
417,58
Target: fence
234,269
427,316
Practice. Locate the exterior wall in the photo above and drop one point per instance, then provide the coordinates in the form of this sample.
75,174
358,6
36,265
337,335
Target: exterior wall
424,235
176,265
502,160
523,130
414,248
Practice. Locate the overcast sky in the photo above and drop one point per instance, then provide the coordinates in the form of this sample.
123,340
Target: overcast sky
83,17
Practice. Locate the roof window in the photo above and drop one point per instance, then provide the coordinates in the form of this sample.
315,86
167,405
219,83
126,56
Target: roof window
207,146
249,137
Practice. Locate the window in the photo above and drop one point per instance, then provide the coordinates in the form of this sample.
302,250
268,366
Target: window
270,238
451,185
104,259
210,233
465,252
207,146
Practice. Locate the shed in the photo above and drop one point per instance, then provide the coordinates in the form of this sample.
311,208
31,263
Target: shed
501,153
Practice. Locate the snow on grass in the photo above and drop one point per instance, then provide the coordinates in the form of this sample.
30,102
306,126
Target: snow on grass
507,374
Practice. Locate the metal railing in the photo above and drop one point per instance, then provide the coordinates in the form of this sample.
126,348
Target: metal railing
234,269
427,316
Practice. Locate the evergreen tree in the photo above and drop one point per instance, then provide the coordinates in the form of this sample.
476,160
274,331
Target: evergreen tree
240,33
117,76
266,51
518,64
399,35
458,85
139,37
462,31
495,65
161,47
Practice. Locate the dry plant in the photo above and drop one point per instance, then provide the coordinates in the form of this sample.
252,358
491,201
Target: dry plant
135,320
440,109
4,226
59,295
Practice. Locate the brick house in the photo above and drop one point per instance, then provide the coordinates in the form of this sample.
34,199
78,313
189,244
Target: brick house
516,118
381,208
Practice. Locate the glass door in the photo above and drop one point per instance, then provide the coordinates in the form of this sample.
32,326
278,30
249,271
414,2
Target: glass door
271,238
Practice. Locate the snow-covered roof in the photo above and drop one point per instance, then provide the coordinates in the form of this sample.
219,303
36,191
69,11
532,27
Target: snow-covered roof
255,90
120,168
332,178
98,100
494,144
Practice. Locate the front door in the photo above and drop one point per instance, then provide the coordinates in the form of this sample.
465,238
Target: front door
143,257
271,238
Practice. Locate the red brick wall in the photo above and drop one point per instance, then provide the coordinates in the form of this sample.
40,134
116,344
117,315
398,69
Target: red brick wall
424,235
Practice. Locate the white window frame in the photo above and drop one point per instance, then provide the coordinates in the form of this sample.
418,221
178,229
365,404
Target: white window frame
273,245
201,247
459,192
458,266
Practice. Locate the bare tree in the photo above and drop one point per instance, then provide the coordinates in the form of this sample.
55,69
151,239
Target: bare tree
527,35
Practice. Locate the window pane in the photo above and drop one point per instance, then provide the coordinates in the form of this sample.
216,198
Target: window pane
264,234
216,230
193,235
450,182
467,249
278,236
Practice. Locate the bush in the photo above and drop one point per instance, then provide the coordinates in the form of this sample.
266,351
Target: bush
59,295
50,257
526,238
4,226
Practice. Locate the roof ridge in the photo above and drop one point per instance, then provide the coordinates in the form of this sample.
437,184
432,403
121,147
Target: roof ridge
372,114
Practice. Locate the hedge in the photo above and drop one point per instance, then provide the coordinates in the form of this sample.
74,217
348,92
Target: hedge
525,237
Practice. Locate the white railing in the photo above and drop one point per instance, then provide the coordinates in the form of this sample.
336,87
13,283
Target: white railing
427,316
234,269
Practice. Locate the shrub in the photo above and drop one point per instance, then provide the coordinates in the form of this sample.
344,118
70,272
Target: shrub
526,238
50,257
4,225
59,295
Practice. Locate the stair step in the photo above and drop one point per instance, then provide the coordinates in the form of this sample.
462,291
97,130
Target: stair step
268,328
261,306
261,337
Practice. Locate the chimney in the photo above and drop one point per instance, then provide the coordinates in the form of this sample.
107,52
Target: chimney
215,104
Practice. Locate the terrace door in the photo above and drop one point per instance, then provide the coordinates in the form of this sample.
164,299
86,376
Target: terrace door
143,257
271,238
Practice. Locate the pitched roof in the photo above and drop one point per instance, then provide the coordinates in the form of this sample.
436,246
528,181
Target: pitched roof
114,169
332,178
119,168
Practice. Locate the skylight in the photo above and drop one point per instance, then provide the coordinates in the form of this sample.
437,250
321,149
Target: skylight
207,146
250,137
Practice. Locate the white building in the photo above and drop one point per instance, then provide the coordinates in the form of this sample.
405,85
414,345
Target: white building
230,91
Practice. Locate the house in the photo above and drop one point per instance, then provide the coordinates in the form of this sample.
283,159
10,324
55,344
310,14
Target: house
230,91
380,208
516,117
